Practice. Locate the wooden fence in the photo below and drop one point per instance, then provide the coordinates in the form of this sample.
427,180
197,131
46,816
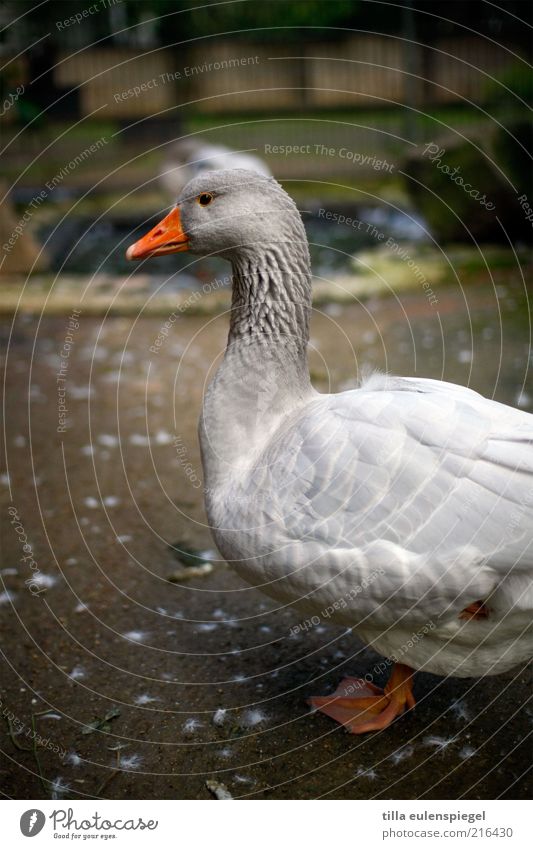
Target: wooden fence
233,76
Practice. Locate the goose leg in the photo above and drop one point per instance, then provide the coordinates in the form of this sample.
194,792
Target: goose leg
476,610
361,706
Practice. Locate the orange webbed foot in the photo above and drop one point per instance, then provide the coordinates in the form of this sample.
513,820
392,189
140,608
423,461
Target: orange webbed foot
361,706
476,610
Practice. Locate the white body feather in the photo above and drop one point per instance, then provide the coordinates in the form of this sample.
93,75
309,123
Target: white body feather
395,505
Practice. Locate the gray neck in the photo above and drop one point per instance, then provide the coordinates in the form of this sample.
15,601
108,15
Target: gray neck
271,297
264,373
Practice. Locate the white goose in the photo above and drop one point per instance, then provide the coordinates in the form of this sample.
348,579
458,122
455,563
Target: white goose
403,507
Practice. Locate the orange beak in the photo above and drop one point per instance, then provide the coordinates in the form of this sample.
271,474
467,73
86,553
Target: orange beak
167,237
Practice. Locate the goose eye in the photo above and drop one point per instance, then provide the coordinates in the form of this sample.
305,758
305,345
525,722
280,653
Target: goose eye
204,199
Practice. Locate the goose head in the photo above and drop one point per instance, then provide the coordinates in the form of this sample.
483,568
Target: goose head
230,213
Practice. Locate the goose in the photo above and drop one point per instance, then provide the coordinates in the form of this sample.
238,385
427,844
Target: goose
402,509
190,156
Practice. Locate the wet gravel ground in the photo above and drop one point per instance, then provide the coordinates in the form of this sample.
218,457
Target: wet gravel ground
150,688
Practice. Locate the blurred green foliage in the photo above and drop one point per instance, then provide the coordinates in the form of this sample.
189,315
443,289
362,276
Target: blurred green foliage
180,20
249,18
517,80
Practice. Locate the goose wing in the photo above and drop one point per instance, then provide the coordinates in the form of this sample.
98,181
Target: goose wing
424,486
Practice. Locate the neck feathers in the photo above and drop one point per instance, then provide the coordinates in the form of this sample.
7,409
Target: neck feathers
271,299
264,373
